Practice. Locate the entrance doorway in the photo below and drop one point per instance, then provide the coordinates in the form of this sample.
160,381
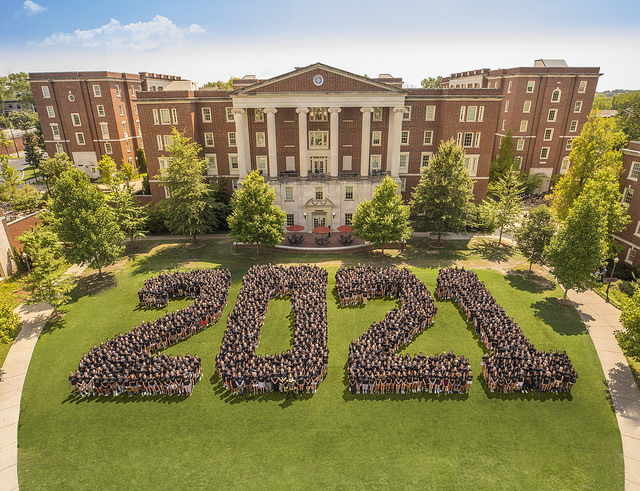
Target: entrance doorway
319,220
318,165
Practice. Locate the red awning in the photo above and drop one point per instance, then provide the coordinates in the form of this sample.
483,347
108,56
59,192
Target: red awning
295,228
345,228
321,230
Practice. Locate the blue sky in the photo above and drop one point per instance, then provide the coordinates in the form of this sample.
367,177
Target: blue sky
210,40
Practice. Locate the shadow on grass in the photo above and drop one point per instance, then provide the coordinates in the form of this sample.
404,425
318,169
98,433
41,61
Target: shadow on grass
528,281
491,251
54,324
560,315
124,399
621,387
524,396
94,283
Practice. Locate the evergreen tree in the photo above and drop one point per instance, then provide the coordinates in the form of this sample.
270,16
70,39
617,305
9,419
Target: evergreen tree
33,152
254,219
505,205
443,197
217,206
535,233
141,161
130,217
504,162
383,218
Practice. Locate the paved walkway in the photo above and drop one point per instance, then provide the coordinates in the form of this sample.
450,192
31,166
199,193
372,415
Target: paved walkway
602,319
12,375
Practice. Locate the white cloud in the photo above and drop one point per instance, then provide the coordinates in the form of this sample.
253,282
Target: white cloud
137,35
32,8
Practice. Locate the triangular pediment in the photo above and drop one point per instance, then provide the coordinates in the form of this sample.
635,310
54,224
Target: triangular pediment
318,78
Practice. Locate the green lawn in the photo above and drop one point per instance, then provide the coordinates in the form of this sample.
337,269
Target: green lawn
331,439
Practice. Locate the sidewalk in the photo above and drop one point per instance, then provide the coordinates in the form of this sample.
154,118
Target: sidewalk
12,375
602,319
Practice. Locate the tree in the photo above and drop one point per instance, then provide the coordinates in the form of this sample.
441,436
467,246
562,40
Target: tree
48,281
383,218
505,205
535,233
9,323
53,167
5,142
530,182
598,146
228,85
431,82
33,151
630,319
10,180
254,218
15,86
628,118
128,171
130,217
217,206
24,120
141,160
109,175
85,222
602,102
442,199
504,162
26,198
184,179
579,247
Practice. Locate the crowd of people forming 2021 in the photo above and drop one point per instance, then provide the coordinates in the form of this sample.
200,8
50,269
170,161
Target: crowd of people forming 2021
126,363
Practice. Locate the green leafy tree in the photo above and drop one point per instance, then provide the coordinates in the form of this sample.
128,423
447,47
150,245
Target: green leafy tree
217,206
628,118
443,197
26,198
629,338
109,174
254,219
24,120
128,171
5,142
383,218
505,161
33,151
53,167
530,182
431,82
597,147
141,161
505,204
9,323
130,217
85,222
15,86
602,102
219,84
580,246
535,233
10,180
184,179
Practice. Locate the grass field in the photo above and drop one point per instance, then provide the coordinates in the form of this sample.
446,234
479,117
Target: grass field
331,439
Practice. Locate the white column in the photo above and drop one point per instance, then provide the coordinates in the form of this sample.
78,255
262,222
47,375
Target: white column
242,142
393,153
302,141
366,140
333,141
271,142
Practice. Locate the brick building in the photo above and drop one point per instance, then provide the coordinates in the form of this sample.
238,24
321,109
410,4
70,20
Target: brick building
90,114
544,106
630,189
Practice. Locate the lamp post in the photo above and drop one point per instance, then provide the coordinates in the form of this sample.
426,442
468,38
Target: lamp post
613,270
26,260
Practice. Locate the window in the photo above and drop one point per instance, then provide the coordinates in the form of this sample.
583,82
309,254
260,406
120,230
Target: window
124,128
520,144
476,142
555,95
635,171
506,106
128,145
231,137
290,219
574,126
471,164
548,134
628,196
637,232
133,91
121,109
403,184
406,115
208,140
376,162
80,138
318,139
551,117
404,162
233,163
377,114
504,124
117,90
45,92
509,85
168,141
631,255
404,138
348,217
104,128
97,92
425,158
261,164
463,110
108,149
75,118
523,125
260,139
50,112
431,113
101,112
319,193
376,137
212,164
569,144
318,114
468,139
582,87
518,162
526,107
229,114
159,141
206,115
55,130
348,193
164,116
59,148
472,112
428,137
235,184
258,115
544,152
174,116
578,107
346,162
138,127
156,119
288,193
530,86
481,114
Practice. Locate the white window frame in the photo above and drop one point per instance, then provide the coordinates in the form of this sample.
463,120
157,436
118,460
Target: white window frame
75,119
520,144
518,160
582,87
404,157
232,140
348,193
261,139
209,140
569,144
577,107
168,141
80,138
55,129
573,127
553,112
523,125
627,196
548,135
403,184
318,114
104,130
262,164
232,157
376,138
634,171
504,125
425,159
377,113
100,109
471,164
430,113
159,142
509,86
174,115
108,149
406,115
46,93
121,109
118,91
59,148
375,162
289,193
97,91
463,111
127,144
531,86
206,114
544,153
229,114
564,166
506,106
472,114
526,107
476,142
156,118
637,232
258,115
318,139
165,116
428,138
467,139
480,114
235,184
124,128
404,137
556,95
51,112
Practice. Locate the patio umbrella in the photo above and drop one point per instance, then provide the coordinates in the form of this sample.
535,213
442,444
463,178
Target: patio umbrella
321,230
295,228
345,228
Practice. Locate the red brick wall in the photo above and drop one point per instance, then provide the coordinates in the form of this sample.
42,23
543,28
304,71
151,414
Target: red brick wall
16,228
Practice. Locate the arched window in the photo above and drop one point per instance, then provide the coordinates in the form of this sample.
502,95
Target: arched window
555,95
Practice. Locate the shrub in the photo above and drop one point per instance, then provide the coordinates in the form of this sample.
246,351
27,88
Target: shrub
9,323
